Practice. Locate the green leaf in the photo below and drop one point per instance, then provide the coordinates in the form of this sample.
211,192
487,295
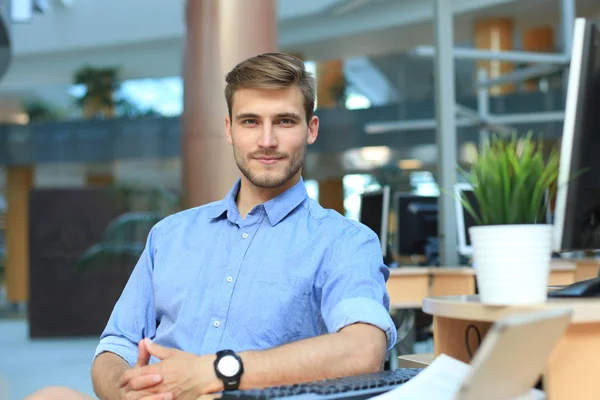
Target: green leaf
512,181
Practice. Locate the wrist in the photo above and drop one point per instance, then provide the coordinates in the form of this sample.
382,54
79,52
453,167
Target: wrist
208,375
246,380
228,368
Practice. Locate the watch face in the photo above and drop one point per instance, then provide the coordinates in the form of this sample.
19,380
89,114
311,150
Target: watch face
228,366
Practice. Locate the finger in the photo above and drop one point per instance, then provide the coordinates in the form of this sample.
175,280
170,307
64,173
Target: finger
160,396
143,354
134,373
146,394
158,351
145,381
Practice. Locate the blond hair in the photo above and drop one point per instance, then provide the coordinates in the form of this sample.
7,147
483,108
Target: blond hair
272,71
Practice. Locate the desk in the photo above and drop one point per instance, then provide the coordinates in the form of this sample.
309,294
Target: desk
407,287
572,371
587,268
562,272
450,281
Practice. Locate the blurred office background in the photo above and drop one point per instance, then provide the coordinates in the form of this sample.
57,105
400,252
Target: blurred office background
97,142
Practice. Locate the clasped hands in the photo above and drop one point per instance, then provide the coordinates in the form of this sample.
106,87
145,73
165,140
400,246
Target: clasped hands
178,375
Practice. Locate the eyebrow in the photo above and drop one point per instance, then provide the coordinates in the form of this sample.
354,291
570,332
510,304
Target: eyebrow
246,116
289,115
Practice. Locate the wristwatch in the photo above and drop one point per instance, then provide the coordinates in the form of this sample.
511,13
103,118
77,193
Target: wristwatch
229,369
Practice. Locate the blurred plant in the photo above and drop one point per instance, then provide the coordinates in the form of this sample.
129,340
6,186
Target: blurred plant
101,85
512,182
126,235
129,109
39,110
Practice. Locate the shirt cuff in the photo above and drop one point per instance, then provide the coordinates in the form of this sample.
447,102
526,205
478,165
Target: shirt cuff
119,346
365,310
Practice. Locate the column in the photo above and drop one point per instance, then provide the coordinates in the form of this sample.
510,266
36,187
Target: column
540,40
330,84
330,94
495,34
219,34
331,194
19,181
445,103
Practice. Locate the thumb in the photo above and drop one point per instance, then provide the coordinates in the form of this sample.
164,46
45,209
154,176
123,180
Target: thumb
157,350
143,354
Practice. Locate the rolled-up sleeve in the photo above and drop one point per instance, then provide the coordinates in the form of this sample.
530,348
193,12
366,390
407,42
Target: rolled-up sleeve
354,290
133,317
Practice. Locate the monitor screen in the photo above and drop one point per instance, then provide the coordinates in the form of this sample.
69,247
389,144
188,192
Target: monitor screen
374,213
464,220
577,213
417,223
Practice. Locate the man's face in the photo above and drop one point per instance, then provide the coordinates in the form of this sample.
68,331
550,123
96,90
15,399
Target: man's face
269,134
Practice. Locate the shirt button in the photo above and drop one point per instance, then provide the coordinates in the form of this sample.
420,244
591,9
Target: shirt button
244,235
229,279
216,324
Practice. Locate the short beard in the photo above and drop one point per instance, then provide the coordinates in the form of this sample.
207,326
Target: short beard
266,181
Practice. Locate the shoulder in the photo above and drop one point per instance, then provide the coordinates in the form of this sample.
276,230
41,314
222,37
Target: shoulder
195,217
337,225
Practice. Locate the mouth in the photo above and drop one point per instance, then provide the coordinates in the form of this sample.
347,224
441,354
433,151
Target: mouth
268,160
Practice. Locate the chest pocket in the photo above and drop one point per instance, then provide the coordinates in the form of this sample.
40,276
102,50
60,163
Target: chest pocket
276,308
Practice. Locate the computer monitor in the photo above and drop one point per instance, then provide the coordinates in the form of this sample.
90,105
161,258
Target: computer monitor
417,223
577,212
464,220
374,213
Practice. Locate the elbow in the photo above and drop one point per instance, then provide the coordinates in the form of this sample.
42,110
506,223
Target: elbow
371,356
369,346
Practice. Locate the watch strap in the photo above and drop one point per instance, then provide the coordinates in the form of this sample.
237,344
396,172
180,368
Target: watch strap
229,382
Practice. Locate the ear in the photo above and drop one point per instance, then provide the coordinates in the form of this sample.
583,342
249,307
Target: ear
313,129
228,130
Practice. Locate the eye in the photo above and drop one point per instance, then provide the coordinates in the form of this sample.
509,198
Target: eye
249,122
287,121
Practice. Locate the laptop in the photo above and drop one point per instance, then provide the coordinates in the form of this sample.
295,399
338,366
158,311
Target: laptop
507,365
513,355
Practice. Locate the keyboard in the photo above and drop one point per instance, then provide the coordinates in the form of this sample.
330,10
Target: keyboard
356,387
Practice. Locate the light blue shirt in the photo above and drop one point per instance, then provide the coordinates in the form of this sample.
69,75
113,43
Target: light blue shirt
210,280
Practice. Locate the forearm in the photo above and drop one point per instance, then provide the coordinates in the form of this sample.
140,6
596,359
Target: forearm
354,350
106,371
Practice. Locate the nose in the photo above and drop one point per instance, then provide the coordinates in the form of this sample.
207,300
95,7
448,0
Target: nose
267,137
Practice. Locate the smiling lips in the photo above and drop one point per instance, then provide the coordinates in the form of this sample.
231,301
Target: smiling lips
268,160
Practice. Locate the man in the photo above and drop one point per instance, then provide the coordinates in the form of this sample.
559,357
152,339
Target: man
262,288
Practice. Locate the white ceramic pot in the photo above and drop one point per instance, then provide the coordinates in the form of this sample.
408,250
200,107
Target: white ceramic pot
512,263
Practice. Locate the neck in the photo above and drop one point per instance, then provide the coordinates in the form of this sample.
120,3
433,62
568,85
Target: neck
251,195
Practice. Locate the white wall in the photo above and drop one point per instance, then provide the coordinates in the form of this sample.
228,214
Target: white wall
59,175
164,173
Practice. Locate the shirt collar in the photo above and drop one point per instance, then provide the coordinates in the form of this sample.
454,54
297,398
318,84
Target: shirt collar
276,209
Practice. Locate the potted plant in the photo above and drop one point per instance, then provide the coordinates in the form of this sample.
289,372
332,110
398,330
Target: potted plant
101,85
513,182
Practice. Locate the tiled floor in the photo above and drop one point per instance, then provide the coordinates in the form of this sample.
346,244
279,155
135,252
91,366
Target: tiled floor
28,365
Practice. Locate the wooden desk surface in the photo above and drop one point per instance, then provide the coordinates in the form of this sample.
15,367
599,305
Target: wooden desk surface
405,305
469,308
452,271
409,271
